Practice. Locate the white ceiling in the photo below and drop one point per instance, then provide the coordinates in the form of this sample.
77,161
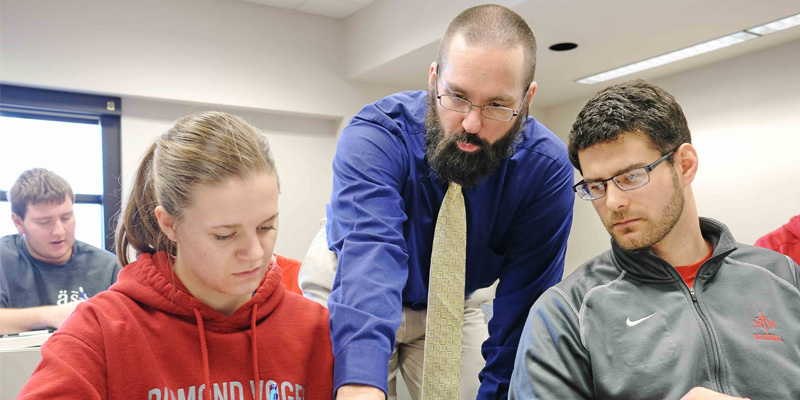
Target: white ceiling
403,36
325,8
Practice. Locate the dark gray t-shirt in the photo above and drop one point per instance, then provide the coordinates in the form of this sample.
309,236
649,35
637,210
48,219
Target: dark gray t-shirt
28,282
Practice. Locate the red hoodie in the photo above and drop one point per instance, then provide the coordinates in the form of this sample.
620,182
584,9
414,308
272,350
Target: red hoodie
289,269
148,338
784,240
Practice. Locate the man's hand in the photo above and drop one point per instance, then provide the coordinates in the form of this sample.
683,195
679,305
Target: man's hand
701,393
359,392
56,315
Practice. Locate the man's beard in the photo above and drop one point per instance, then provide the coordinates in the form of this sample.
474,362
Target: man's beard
452,164
659,228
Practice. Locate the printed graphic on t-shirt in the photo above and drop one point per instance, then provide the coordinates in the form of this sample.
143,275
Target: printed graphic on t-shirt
67,296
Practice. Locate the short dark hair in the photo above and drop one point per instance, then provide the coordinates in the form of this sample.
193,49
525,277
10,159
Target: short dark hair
37,186
491,24
634,106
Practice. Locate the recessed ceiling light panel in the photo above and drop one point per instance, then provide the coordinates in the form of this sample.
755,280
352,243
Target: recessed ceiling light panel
779,25
692,51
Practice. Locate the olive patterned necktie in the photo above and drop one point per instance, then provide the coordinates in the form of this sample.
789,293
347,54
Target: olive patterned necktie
441,371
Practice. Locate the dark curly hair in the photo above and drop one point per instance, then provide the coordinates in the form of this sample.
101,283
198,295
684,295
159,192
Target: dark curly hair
634,106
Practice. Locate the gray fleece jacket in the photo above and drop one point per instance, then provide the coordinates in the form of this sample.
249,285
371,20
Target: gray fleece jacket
626,326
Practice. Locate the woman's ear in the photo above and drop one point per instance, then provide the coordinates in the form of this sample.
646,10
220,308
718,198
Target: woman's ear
167,223
686,162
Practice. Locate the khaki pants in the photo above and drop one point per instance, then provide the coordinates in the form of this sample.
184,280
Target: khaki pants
316,280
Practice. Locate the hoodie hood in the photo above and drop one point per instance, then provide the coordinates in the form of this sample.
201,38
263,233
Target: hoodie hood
793,226
151,281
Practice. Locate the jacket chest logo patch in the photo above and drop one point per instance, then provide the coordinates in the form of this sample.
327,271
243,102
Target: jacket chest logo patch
638,321
763,326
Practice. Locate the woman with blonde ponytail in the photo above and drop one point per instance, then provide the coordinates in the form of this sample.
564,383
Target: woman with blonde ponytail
200,313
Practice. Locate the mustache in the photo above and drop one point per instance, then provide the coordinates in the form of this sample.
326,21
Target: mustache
469,138
617,217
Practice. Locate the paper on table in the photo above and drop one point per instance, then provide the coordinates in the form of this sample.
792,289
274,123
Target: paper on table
24,339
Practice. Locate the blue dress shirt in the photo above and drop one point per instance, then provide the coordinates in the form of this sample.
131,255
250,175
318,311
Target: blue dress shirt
381,219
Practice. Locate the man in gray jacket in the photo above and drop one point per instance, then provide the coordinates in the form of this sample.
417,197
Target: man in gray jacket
676,309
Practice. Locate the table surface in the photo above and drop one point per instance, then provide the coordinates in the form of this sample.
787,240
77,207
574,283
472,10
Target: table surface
15,367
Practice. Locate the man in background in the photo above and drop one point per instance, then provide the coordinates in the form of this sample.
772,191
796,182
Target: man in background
44,271
784,240
468,139
676,309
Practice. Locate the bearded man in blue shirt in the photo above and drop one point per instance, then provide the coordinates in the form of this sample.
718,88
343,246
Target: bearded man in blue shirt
393,164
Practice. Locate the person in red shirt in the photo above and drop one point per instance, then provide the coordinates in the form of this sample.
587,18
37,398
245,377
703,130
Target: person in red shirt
784,240
201,313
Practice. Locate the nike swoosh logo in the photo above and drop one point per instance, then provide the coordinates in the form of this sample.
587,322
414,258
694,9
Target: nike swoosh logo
638,321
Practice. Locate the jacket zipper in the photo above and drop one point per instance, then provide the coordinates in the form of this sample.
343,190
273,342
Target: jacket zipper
717,367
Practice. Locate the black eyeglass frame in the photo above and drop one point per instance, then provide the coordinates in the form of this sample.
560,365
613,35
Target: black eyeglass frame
439,97
646,168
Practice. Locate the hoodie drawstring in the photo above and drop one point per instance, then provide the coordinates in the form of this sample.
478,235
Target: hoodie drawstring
254,345
204,351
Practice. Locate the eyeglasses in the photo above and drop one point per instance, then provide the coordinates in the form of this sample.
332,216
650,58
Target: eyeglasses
459,104
628,180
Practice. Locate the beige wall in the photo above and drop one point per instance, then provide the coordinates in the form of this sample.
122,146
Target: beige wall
206,51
